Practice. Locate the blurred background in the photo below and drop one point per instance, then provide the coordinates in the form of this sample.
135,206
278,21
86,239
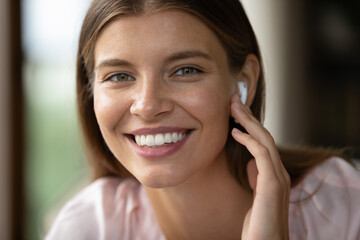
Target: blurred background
312,64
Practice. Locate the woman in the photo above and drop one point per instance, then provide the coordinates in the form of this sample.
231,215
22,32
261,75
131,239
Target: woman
157,93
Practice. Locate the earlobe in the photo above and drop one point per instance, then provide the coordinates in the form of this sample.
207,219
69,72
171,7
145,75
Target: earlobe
249,75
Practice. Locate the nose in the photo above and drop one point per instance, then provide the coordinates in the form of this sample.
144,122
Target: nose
151,100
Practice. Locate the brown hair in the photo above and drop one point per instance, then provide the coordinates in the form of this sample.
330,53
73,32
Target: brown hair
229,22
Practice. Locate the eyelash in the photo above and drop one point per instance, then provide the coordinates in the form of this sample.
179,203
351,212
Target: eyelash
120,80
185,71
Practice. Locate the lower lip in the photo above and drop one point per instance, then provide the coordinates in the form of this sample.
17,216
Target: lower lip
160,152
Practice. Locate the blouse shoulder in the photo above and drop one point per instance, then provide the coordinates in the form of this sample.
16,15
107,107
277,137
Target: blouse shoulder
109,208
325,205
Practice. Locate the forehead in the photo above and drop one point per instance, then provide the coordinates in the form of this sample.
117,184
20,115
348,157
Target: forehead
158,33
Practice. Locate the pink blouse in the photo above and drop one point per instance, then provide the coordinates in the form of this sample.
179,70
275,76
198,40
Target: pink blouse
325,205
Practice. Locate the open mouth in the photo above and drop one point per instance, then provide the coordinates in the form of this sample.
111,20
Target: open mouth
158,140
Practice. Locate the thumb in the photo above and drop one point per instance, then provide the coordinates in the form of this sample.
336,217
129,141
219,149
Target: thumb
252,173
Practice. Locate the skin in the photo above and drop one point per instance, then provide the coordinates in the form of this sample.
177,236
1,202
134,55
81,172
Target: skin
155,93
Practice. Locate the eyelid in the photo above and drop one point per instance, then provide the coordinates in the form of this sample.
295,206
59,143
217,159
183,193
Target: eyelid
197,68
109,76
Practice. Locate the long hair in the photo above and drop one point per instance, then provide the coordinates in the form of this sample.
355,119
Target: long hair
228,20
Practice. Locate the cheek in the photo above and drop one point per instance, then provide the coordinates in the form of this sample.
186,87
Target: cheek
216,118
210,105
108,110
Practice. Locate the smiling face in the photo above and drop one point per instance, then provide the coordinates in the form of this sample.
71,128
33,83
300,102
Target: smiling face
161,96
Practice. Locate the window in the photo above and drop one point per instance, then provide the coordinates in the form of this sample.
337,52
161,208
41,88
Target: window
55,167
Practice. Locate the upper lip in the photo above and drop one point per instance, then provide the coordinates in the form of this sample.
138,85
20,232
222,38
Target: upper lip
146,131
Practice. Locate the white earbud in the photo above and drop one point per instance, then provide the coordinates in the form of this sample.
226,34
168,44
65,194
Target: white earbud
243,91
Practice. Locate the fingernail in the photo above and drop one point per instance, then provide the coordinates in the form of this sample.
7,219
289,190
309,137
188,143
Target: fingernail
236,131
238,101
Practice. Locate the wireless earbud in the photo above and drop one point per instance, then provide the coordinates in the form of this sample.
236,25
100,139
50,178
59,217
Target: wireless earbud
242,86
243,91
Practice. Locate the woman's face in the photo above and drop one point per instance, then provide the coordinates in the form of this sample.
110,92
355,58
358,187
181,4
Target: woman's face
161,96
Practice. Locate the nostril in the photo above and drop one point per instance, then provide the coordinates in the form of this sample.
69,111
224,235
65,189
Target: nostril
151,108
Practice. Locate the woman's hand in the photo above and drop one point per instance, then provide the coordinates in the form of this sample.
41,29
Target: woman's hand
268,216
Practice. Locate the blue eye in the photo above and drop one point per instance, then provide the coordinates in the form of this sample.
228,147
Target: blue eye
186,71
121,77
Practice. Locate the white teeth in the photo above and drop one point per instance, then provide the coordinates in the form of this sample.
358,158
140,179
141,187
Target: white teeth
138,139
168,138
150,140
174,137
142,141
158,139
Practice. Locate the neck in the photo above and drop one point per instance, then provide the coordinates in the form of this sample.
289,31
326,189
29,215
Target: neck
210,205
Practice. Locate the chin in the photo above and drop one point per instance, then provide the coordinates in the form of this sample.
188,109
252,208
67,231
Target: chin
161,179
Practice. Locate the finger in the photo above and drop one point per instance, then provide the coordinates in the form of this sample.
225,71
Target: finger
250,123
260,133
264,180
246,119
261,153
282,175
255,129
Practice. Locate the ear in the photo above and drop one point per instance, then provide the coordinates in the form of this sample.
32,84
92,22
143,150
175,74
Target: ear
249,74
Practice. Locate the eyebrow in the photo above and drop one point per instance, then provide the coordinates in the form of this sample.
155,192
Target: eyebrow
115,62
188,54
